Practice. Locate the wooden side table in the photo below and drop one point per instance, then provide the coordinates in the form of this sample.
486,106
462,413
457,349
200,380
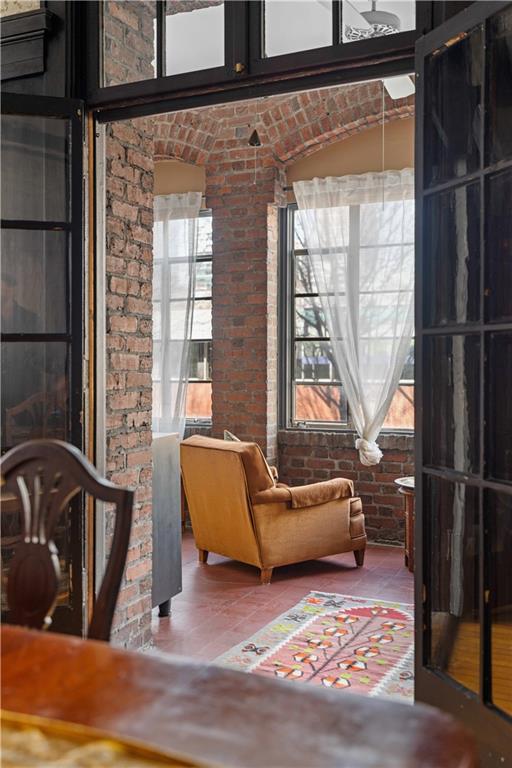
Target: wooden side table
406,488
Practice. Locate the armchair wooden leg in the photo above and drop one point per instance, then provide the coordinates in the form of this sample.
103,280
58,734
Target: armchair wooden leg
203,555
359,556
266,575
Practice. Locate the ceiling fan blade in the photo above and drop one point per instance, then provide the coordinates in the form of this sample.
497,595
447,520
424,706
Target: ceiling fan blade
399,87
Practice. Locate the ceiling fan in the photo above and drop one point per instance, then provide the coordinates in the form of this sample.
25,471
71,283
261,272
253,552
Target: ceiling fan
372,23
361,25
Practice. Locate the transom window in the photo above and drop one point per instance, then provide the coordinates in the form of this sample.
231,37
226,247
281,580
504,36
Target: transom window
186,44
314,392
299,25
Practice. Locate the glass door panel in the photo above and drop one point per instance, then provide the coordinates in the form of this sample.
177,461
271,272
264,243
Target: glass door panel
41,309
452,386
499,406
43,142
464,370
35,391
452,123
499,88
38,305
498,523
454,603
452,249
498,293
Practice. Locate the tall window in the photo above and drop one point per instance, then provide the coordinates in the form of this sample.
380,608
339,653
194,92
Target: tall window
199,391
314,390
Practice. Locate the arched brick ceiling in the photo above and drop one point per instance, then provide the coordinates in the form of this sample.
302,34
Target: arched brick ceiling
293,126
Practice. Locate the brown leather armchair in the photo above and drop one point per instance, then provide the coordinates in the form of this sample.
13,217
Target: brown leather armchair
238,510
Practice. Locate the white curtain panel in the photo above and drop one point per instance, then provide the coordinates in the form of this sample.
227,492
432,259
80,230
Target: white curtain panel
359,234
174,266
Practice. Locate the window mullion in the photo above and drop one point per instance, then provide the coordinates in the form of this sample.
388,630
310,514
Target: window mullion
352,288
160,38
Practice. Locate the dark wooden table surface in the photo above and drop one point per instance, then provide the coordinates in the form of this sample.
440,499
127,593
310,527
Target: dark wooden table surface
218,716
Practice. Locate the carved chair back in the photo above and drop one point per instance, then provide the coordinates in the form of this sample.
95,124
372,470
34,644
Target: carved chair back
39,480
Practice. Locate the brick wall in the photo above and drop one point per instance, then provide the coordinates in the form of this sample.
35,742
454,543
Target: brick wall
309,457
128,30
241,192
128,41
129,256
239,373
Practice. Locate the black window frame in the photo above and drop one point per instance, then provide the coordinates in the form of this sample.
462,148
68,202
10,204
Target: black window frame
71,617
235,53
202,258
71,110
288,339
338,51
246,73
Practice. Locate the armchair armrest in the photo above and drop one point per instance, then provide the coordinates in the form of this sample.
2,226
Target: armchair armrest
321,493
306,495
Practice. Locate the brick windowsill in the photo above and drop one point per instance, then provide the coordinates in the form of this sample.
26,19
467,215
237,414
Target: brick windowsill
395,441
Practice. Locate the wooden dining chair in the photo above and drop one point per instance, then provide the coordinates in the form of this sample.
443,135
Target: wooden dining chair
39,479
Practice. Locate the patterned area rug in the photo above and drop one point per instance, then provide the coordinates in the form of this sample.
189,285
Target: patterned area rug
349,643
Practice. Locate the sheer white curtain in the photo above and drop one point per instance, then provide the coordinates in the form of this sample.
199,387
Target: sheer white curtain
359,233
174,265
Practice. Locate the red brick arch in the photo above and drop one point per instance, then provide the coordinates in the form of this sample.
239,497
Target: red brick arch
187,136
302,124
292,126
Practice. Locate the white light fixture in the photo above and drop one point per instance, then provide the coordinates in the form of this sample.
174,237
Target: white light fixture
399,87
372,23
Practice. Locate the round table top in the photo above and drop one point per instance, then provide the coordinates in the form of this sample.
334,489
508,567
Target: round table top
406,482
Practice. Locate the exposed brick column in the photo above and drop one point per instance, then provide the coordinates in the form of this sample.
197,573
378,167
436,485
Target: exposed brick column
129,241
129,54
241,191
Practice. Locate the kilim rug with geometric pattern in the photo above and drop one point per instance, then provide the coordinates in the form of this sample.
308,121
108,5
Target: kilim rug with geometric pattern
351,644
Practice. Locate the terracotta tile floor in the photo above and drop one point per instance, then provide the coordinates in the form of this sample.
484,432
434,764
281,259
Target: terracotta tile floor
223,603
